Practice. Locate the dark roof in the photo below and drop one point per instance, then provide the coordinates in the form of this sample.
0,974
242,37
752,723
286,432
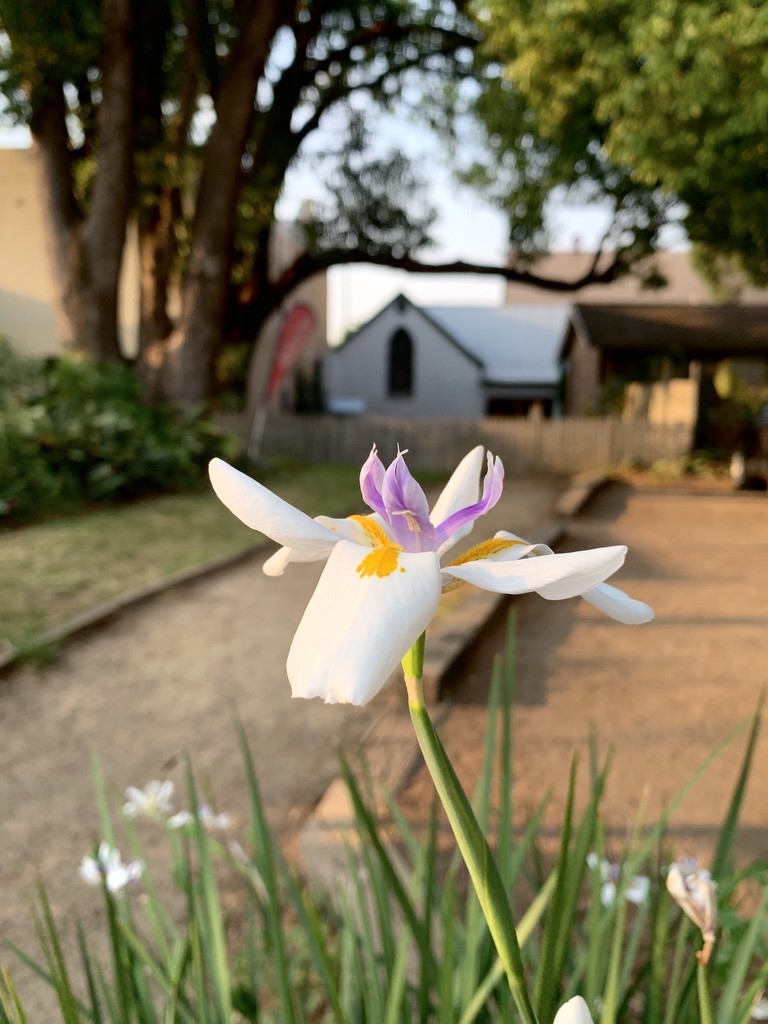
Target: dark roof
694,329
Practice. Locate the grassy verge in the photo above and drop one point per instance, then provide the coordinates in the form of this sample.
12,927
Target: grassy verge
55,570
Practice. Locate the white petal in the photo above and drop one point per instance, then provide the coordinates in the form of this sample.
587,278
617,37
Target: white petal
181,819
638,889
462,489
575,1011
357,628
276,564
118,877
608,894
523,545
262,510
553,576
89,871
343,529
614,602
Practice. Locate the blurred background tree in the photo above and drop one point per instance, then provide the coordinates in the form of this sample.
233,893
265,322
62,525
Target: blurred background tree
186,115
659,111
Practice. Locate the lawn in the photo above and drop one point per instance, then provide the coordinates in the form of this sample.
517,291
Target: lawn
54,570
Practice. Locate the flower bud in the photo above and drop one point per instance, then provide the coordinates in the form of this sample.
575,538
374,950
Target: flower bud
696,894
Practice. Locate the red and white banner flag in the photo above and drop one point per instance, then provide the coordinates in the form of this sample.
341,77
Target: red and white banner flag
295,334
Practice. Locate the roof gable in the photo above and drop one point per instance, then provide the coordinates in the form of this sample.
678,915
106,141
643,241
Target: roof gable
509,344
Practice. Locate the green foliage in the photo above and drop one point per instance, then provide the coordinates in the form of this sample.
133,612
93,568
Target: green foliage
378,203
402,939
73,432
639,106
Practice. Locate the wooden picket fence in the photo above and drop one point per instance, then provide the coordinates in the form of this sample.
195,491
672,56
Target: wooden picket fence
566,445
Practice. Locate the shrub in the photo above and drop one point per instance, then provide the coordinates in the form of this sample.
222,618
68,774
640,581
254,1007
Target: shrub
73,432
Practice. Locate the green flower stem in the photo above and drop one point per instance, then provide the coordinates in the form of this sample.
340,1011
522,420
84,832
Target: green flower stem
705,997
472,843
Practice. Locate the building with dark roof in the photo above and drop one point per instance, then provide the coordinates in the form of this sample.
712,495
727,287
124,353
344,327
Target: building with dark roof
647,343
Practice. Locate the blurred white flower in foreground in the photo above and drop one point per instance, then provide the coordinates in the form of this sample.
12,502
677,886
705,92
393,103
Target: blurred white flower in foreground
108,867
696,894
383,579
575,1011
153,801
211,821
635,891
760,1009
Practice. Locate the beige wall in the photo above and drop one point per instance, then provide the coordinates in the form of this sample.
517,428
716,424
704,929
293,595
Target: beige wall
27,318
667,401
684,284
27,291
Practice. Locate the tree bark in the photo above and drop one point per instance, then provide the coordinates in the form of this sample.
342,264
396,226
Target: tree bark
188,365
86,250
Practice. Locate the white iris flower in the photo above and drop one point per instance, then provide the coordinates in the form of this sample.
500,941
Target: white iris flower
386,570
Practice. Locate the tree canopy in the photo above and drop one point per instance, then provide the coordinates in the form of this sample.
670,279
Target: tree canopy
186,115
659,109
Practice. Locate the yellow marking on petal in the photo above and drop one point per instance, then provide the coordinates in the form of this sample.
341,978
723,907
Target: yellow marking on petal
381,562
486,549
375,533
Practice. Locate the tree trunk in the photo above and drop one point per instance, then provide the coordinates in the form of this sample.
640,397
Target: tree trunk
86,250
188,366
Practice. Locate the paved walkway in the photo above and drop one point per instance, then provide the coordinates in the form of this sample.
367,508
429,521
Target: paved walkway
163,680
662,695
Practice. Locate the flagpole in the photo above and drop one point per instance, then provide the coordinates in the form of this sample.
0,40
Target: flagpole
253,451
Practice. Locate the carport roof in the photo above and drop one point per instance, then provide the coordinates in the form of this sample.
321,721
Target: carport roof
701,329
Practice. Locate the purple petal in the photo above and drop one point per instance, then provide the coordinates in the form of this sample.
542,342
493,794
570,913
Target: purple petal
407,509
371,482
492,488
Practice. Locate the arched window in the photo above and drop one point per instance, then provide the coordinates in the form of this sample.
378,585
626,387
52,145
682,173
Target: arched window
400,364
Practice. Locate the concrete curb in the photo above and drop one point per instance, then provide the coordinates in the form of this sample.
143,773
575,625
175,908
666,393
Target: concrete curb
392,753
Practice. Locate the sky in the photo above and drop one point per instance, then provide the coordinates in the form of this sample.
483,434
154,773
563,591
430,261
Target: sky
465,229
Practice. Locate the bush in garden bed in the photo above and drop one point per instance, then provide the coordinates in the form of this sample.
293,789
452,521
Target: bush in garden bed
74,432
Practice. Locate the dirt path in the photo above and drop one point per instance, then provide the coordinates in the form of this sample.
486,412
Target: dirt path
661,696
164,680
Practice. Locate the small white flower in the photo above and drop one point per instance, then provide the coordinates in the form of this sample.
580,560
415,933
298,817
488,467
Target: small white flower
214,822
181,819
635,892
696,895
575,1011
108,867
760,1009
153,801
